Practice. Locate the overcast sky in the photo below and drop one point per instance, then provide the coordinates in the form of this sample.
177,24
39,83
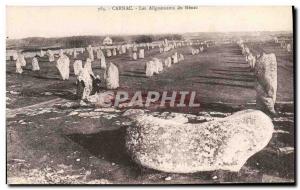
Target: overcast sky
69,21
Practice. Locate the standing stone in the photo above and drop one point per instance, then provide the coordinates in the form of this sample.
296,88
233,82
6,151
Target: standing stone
251,60
108,53
175,58
123,49
42,53
85,78
61,52
201,48
77,67
288,47
120,51
157,65
161,50
111,76
243,48
50,56
114,52
141,54
102,62
168,62
88,66
193,51
180,57
35,64
176,147
266,83
21,58
74,54
134,56
19,63
90,52
71,52
15,56
247,51
99,53
63,66
150,68
134,48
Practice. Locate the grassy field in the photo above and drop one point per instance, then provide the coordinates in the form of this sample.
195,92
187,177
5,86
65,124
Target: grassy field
79,145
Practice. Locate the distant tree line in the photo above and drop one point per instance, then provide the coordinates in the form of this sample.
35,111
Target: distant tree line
83,41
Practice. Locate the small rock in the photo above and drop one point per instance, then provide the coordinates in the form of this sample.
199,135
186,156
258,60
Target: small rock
78,160
132,112
14,92
48,93
168,178
73,113
60,171
286,150
106,110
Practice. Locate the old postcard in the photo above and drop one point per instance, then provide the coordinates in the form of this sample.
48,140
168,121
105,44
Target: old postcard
150,95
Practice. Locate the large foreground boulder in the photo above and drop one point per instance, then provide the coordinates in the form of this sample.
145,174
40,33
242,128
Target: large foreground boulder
222,144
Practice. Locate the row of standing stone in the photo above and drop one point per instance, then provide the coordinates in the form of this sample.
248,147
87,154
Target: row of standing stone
264,67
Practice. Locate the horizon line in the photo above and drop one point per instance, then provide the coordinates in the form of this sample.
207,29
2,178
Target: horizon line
130,34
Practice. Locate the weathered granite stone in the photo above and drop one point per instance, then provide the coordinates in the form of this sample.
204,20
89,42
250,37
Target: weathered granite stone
168,62
158,65
108,53
150,69
90,52
289,47
114,52
112,76
63,66
266,83
35,64
77,67
251,60
223,144
134,56
141,54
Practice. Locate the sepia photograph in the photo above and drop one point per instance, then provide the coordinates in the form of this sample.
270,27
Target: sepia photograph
143,95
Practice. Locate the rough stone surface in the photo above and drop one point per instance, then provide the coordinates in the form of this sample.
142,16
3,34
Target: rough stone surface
77,67
20,62
223,144
112,76
134,56
90,52
158,65
150,68
63,66
168,62
108,53
141,53
266,85
251,60
35,64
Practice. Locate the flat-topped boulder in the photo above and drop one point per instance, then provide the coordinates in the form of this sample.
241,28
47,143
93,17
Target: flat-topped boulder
222,144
